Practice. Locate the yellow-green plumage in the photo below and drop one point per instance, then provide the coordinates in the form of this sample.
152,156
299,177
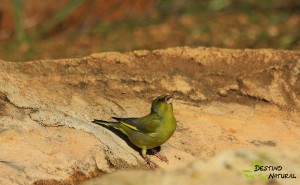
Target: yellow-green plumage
149,131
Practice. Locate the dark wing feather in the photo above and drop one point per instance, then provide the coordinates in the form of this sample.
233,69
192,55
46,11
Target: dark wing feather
146,124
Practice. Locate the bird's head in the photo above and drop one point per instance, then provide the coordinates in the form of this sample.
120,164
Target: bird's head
162,104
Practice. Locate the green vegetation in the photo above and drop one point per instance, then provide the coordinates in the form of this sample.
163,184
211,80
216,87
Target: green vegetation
166,23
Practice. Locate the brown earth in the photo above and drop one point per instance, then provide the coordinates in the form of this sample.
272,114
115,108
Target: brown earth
86,13
227,101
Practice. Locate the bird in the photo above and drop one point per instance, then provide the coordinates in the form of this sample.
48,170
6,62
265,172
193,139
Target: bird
150,131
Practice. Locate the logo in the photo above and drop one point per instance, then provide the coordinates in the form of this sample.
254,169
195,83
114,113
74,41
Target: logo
267,172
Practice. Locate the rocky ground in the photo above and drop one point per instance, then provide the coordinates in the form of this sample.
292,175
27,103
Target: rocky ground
233,107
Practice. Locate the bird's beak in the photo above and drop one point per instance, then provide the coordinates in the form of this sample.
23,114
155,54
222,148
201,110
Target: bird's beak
169,99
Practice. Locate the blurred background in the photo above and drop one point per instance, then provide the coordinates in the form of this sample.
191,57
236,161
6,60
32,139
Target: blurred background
35,29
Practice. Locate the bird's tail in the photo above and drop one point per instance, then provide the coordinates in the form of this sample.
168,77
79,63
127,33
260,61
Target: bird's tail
106,123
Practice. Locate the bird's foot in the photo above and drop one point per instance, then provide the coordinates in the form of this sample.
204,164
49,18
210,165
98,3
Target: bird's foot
161,157
152,164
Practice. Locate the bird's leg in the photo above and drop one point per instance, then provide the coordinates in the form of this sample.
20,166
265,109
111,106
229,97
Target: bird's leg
161,157
147,159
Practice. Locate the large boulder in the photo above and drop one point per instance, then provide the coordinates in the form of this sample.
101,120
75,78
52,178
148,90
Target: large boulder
224,100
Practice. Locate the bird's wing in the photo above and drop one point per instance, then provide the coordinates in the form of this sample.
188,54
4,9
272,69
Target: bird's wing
146,124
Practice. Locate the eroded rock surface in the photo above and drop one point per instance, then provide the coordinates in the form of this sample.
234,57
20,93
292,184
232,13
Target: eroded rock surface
225,100
224,168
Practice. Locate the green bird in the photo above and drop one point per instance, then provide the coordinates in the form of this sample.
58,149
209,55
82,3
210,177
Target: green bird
151,130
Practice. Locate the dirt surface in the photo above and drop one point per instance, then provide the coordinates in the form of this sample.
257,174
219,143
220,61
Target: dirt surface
225,100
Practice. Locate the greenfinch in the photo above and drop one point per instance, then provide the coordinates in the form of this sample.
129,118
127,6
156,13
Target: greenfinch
150,131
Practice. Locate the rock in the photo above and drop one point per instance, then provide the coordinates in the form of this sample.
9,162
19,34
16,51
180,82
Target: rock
226,168
224,100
